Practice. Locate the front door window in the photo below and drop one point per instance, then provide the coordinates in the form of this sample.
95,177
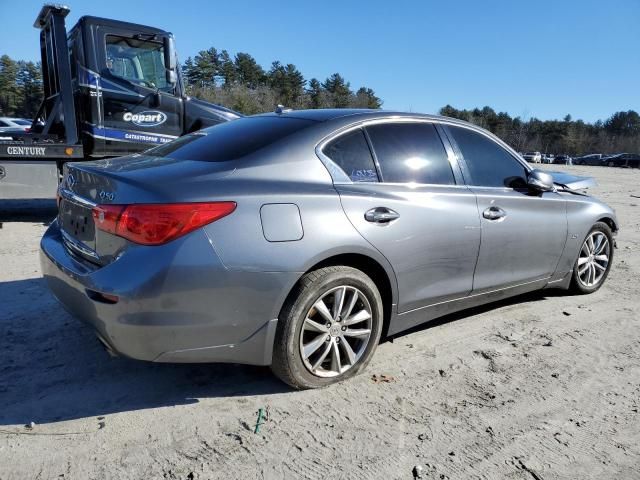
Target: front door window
138,61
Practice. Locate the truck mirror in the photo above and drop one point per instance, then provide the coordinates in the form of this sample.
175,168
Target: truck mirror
169,54
172,77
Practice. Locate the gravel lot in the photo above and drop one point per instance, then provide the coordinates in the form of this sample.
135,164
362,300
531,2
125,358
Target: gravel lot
542,386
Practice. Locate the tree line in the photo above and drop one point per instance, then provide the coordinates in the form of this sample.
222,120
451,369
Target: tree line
618,133
20,88
240,83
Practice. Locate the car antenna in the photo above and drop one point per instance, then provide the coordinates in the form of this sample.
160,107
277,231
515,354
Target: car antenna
280,109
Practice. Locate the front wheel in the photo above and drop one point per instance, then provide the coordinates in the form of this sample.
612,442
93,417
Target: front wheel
594,260
328,329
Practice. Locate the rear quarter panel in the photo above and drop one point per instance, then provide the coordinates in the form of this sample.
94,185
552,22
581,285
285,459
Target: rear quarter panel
292,176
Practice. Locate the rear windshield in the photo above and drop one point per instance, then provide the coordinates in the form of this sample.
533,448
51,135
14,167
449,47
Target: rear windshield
22,122
231,140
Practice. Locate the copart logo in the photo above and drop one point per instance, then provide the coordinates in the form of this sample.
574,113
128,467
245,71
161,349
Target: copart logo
150,118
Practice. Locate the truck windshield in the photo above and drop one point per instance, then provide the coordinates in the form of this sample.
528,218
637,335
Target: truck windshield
231,140
137,61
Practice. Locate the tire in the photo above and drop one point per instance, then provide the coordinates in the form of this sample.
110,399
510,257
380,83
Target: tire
295,332
578,284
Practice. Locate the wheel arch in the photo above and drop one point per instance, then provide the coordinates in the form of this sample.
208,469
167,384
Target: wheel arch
609,221
383,278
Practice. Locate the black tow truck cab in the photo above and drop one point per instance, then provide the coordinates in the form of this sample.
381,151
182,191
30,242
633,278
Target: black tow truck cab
111,88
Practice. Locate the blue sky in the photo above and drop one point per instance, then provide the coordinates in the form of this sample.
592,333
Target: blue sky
538,58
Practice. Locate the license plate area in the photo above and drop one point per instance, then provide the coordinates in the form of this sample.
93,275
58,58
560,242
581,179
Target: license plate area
77,222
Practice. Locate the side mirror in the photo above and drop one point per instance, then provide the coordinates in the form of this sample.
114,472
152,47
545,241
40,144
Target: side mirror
540,181
170,63
172,77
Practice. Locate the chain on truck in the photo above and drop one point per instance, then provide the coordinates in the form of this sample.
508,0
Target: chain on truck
111,88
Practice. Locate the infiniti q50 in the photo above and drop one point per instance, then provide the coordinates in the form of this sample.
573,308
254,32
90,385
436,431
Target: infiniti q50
298,239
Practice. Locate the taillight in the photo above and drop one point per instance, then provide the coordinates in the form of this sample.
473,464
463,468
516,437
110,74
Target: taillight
155,224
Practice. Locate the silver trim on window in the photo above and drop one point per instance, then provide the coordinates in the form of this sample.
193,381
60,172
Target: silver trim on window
340,177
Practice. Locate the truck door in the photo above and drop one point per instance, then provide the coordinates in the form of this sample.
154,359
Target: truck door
140,108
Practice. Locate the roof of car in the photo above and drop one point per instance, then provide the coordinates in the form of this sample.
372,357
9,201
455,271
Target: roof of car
325,114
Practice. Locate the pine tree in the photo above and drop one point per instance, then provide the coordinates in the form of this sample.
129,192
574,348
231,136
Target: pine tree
207,63
287,82
227,69
248,71
190,73
9,90
29,82
366,98
315,93
338,90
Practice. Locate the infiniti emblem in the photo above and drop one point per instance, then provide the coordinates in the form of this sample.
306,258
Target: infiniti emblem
71,181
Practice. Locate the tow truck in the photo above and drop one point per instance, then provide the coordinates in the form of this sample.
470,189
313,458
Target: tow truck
111,88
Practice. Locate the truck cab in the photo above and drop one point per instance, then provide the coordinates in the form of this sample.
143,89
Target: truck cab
111,88
129,93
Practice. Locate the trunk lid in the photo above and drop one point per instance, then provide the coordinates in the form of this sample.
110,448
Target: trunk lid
128,180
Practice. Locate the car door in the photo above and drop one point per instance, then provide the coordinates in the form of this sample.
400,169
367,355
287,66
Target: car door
400,192
523,233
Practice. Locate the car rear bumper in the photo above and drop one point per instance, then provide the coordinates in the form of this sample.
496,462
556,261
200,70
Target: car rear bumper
176,302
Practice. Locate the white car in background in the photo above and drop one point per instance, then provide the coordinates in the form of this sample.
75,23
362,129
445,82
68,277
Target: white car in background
533,157
8,124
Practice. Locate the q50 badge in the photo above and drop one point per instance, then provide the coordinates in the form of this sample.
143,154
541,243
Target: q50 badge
150,118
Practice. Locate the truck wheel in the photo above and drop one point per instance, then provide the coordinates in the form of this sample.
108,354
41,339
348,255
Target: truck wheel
328,329
594,260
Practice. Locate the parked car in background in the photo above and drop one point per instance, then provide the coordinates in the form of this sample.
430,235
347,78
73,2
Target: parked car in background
594,159
629,160
277,239
562,160
8,124
533,157
548,158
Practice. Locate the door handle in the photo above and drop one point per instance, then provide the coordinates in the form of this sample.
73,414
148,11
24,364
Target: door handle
381,215
494,213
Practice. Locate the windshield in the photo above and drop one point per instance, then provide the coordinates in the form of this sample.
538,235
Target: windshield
231,140
137,61
22,122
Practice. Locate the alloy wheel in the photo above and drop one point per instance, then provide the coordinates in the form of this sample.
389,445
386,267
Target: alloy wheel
593,259
336,331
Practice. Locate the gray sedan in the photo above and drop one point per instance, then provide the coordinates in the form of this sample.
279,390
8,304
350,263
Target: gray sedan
298,239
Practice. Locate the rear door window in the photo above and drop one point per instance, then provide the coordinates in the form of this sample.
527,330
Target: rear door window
351,153
410,153
489,164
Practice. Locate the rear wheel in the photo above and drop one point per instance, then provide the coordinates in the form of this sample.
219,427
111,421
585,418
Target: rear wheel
329,328
594,260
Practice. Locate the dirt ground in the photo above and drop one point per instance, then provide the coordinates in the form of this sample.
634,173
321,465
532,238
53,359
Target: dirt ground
543,386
